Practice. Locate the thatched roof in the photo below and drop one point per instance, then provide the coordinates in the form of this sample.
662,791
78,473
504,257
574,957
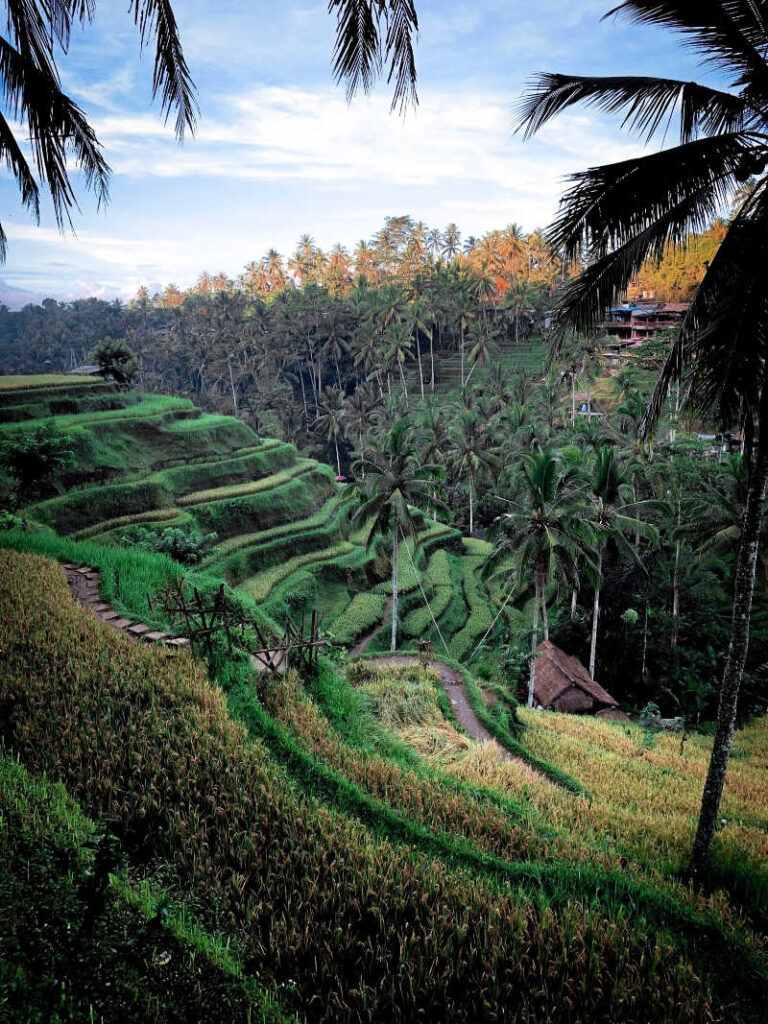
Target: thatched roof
563,684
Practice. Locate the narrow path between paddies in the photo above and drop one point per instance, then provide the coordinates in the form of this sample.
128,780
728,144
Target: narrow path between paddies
362,645
452,683
84,583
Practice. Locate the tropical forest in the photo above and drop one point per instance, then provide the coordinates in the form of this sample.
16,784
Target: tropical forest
384,623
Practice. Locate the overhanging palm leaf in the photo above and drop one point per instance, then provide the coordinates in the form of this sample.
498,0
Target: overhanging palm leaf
650,104
723,339
58,129
370,33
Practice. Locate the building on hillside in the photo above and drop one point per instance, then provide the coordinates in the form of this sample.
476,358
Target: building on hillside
563,684
635,321
586,405
83,371
616,350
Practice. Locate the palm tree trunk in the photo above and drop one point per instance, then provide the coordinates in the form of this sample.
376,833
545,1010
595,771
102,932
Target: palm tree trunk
544,613
471,516
421,371
595,617
432,361
393,645
534,641
573,400
746,567
402,379
462,356
232,386
338,463
676,586
574,596
645,644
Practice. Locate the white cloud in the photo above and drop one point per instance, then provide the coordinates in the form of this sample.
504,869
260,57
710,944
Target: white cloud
276,133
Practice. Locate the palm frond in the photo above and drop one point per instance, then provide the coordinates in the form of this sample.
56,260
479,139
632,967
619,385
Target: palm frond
650,103
171,77
57,127
731,35
608,205
10,151
402,24
659,211
370,33
723,338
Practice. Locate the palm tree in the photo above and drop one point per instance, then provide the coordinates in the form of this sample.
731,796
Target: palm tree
544,535
612,498
396,478
617,216
329,422
451,242
520,297
472,451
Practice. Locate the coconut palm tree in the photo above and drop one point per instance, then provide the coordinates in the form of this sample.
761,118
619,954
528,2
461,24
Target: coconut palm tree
451,242
471,451
612,516
617,216
329,422
396,478
543,535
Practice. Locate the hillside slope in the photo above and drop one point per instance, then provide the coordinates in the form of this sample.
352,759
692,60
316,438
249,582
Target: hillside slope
284,531
367,886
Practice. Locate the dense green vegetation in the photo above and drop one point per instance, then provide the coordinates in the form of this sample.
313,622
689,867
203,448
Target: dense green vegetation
185,786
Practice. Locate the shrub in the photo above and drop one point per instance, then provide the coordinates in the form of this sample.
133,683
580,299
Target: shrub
182,543
38,457
116,359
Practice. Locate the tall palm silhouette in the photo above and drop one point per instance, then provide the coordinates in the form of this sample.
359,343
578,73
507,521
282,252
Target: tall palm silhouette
396,478
542,536
616,216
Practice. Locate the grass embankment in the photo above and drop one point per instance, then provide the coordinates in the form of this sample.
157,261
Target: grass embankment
82,940
98,506
128,575
36,381
359,929
646,791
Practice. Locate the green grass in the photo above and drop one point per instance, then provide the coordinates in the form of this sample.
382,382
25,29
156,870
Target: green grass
258,587
419,620
128,575
34,381
108,526
268,483
364,612
481,611
148,406
248,540
293,500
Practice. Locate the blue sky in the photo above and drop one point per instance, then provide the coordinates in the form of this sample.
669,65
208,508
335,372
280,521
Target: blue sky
279,152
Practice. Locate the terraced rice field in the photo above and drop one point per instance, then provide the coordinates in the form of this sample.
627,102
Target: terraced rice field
284,529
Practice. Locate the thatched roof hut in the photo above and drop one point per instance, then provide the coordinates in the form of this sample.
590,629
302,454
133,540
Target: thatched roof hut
563,684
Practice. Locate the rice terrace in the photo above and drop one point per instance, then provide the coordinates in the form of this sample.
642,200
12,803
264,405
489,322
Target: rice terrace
384,626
